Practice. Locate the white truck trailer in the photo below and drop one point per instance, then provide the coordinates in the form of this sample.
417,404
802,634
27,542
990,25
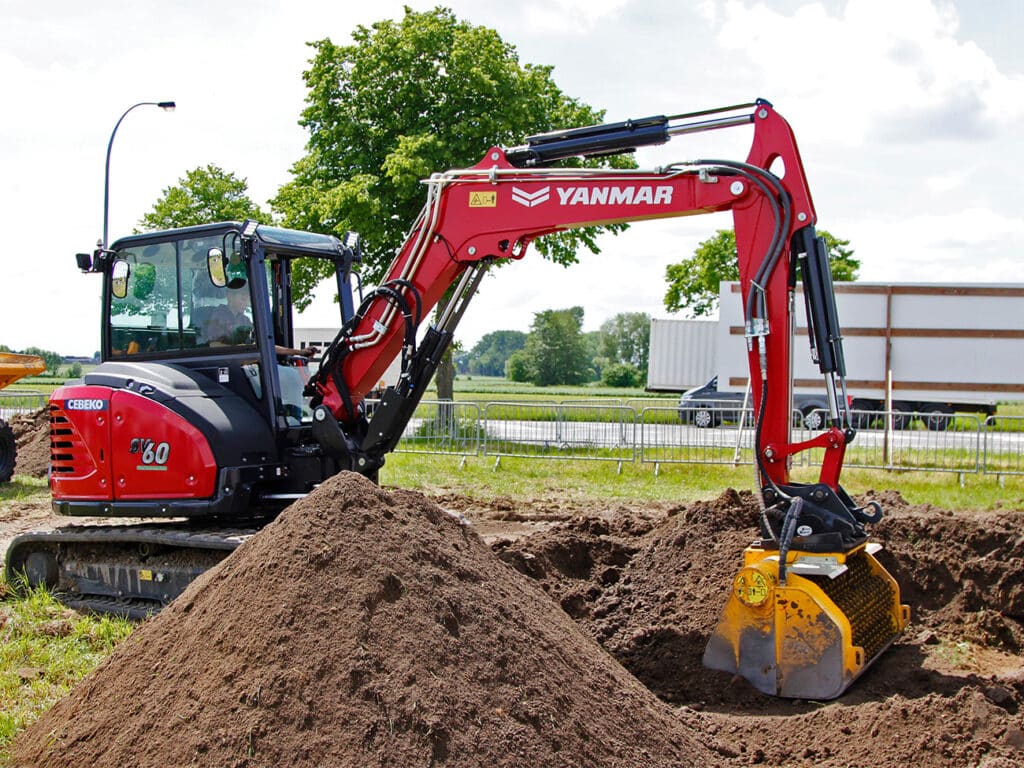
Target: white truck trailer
929,348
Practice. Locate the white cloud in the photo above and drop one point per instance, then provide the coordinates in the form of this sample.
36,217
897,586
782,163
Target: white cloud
570,17
876,70
932,247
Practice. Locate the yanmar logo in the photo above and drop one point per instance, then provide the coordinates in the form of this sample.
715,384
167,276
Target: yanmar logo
530,199
611,195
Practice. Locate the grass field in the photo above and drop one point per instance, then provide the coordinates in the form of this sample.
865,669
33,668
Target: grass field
479,477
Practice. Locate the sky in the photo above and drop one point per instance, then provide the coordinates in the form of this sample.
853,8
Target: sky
908,114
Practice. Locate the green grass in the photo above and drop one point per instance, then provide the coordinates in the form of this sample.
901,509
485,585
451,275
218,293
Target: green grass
45,649
482,477
22,487
494,385
1010,409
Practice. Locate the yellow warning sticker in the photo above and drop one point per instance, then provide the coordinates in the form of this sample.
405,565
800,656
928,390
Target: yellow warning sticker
483,199
751,587
145,575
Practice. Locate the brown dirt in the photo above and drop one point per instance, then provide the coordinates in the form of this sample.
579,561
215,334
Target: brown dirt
947,694
411,645
32,436
375,630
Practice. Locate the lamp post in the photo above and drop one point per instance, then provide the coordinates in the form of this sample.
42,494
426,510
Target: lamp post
167,106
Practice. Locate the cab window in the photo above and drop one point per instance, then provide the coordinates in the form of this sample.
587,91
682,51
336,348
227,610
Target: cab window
144,313
164,301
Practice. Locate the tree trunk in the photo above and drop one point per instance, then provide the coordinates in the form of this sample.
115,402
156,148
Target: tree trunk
444,377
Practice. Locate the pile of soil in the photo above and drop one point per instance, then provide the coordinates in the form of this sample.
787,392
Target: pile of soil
362,628
32,436
947,694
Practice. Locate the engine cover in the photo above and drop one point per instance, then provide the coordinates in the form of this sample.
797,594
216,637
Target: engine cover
117,444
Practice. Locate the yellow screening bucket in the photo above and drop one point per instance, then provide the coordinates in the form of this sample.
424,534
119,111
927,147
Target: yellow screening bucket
812,636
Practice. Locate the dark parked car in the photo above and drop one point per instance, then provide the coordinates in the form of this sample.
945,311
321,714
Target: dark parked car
705,406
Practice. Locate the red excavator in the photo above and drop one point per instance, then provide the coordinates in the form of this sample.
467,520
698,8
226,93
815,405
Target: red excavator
199,412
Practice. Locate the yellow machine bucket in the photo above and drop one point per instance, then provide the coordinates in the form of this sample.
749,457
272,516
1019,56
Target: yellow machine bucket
811,637
14,367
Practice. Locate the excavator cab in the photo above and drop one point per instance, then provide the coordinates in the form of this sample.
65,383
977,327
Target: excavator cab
197,411
196,334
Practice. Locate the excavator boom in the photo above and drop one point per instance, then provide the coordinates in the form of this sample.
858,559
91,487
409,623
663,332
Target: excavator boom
495,209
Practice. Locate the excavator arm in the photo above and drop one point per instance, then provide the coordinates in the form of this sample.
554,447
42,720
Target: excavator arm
493,211
811,608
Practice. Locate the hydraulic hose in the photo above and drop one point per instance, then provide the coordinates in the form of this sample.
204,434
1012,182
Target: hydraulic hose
781,209
786,536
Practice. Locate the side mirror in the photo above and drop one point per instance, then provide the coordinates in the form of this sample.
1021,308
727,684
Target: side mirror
119,278
216,265
225,272
84,261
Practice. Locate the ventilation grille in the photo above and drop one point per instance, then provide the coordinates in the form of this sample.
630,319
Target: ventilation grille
68,453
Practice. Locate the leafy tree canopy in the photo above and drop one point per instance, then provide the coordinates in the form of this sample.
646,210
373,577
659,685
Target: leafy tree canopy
556,350
693,282
408,98
203,195
489,355
626,339
622,375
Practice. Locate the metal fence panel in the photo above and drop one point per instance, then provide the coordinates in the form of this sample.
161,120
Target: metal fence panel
1004,445
442,426
668,436
21,402
639,403
951,445
560,431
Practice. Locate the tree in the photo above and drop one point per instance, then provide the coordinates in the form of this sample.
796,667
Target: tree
556,351
203,195
592,341
626,338
621,375
518,366
489,355
693,283
405,99
52,360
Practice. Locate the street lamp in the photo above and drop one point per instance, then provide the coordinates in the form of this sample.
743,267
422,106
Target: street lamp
167,106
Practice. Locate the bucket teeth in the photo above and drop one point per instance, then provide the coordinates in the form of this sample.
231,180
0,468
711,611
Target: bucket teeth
813,636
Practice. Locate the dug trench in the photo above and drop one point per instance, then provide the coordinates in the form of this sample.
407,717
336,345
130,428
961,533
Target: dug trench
367,627
947,693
